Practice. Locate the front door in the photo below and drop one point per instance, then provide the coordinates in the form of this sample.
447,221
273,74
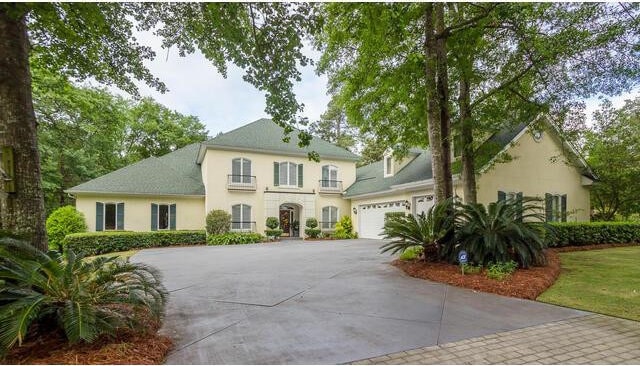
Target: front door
285,222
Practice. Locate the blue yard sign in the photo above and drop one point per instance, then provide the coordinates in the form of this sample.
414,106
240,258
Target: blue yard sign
462,257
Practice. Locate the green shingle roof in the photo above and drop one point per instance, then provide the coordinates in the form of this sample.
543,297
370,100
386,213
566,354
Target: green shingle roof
264,135
175,173
370,178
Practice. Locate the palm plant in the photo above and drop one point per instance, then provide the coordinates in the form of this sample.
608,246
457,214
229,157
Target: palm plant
86,298
502,231
432,231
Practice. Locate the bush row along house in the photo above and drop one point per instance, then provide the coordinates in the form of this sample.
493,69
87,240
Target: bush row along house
251,173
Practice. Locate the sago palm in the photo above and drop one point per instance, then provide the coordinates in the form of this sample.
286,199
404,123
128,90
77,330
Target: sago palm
502,230
431,231
86,298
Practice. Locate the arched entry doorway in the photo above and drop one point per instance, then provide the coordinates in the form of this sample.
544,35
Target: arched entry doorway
290,219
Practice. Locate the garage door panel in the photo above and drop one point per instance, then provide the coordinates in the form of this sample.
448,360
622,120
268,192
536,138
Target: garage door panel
371,218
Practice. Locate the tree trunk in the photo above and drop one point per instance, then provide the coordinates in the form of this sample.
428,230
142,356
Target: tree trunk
21,212
434,127
466,140
443,95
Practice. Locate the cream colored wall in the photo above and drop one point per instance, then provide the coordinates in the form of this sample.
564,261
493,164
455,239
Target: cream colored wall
534,172
218,166
137,210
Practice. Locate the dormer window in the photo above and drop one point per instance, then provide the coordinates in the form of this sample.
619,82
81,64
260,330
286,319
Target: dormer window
388,165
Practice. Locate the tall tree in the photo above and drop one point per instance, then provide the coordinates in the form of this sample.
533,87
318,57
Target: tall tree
83,40
613,148
333,127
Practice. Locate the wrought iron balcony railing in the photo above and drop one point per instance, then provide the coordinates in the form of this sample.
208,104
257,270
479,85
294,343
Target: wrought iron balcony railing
241,182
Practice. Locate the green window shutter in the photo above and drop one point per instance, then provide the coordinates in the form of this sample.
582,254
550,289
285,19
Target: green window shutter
99,216
276,174
154,217
563,207
172,217
300,174
502,196
519,197
120,216
548,207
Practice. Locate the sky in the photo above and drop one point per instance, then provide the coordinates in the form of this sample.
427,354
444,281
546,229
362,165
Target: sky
196,88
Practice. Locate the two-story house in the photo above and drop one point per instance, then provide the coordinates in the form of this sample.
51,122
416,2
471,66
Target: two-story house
249,172
252,174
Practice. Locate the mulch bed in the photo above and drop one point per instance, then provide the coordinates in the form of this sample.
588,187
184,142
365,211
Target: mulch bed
524,283
142,347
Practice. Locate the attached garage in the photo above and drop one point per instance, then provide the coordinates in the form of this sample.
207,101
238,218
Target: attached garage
422,204
371,217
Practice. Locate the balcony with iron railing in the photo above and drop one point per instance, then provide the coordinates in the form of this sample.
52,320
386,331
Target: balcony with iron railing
241,182
243,226
330,186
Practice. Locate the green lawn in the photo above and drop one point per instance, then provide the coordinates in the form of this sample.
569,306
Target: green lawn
605,281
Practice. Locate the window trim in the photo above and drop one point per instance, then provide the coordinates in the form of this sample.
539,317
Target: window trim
388,170
288,170
104,216
242,218
322,216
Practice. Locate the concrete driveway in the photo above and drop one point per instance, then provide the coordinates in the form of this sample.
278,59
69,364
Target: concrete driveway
318,303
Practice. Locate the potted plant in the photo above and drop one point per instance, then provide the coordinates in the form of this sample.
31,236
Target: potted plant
296,228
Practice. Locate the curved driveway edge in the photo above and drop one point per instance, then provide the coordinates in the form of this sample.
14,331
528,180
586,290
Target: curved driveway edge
318,303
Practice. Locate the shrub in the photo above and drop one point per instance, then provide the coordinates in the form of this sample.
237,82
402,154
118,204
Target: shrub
344,229
83,298
390,215
501,270
62,222
470,269
272,222
218,222
118,241
412,253
430,231
234,238
311,223
502,231
592,233
311,230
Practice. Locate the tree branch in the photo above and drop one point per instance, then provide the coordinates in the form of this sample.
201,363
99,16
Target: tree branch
467,23
502,86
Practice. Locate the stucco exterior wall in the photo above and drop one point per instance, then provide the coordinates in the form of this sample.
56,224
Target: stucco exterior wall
267,198
538,167
190,214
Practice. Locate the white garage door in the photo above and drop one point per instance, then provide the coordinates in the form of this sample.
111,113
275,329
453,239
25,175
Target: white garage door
371,218
422,204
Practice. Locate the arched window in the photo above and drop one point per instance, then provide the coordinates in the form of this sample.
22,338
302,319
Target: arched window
241,170
329,218
241,217
329,176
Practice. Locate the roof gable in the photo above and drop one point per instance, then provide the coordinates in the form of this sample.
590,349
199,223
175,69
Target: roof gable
264,135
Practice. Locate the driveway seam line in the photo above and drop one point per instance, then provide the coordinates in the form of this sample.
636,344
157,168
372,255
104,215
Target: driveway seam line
207,336
444,301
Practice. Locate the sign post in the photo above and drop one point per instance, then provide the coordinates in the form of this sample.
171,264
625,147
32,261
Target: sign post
462,259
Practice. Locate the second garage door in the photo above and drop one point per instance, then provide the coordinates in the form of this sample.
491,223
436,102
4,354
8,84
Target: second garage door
371,217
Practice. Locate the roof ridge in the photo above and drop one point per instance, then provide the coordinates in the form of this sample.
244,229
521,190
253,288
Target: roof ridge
237,128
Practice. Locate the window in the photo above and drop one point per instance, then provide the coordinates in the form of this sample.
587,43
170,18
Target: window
109,216
241,217
329,176
329,217
110,212
163,216
388,165
288,174
241,170
556,207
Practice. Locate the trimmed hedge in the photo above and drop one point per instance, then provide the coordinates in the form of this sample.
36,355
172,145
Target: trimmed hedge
118,241
593,233
234,238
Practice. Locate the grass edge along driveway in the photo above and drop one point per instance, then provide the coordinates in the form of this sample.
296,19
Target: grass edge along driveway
605,281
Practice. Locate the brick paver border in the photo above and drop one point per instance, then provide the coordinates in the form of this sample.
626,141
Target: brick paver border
590,339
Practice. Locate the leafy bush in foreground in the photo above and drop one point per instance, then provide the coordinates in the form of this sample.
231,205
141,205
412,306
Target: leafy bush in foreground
218,222
234,238
272,224
117,241
344,229
62,222
412,253
593,233
84,298
311,229
501,270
